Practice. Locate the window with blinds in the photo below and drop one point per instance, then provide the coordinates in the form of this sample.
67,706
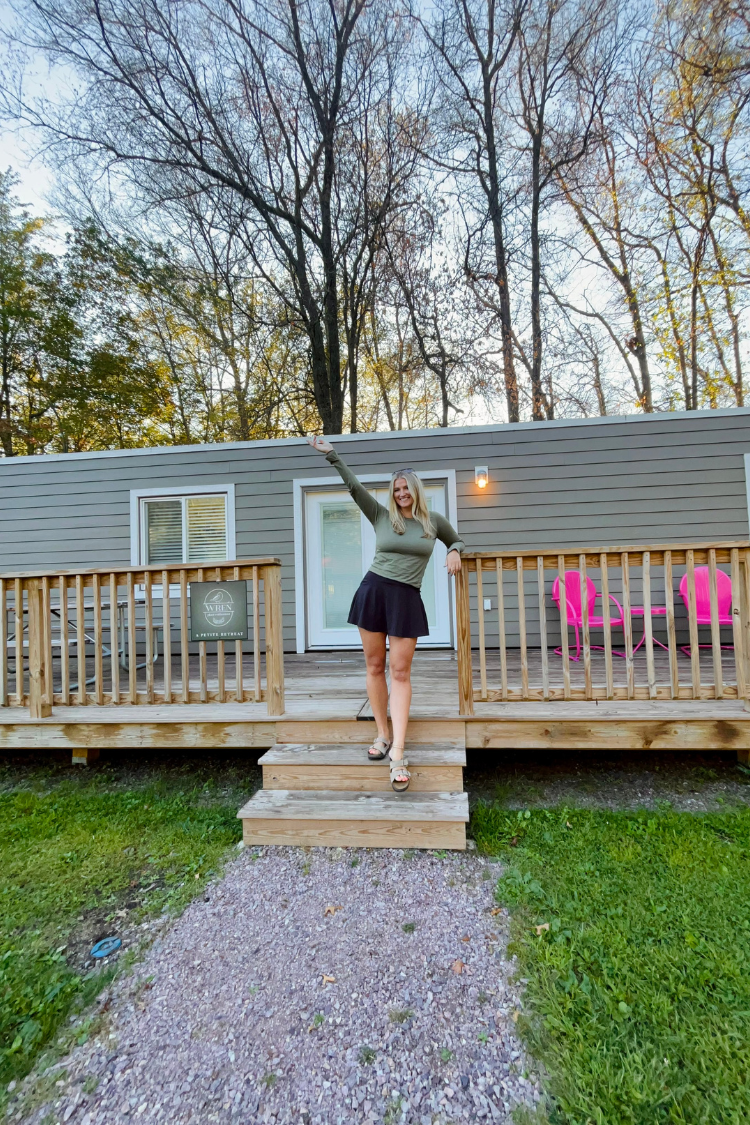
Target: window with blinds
185,529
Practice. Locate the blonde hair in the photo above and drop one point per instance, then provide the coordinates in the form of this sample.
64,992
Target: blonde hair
420,511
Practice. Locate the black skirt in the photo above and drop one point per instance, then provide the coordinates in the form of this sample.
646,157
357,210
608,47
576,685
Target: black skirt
383,605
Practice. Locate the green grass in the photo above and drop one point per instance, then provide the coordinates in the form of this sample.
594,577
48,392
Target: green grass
638,995
82,852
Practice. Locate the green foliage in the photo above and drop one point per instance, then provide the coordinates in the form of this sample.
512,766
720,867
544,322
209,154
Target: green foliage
78,851
638,1002
400,1015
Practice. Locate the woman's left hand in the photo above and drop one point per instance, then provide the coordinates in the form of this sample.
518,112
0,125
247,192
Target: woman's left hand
453,562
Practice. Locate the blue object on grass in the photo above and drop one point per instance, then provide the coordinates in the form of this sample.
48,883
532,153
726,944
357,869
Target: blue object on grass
106,946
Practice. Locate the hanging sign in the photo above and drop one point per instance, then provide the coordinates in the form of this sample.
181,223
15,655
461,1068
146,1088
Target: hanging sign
218,611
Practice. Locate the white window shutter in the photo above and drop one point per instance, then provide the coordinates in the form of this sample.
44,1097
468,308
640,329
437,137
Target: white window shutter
163,532
206,529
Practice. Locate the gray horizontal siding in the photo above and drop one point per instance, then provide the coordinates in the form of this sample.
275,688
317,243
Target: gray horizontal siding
666,478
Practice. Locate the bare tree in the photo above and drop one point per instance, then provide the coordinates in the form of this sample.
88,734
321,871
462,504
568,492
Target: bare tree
471,42
278,110
566,52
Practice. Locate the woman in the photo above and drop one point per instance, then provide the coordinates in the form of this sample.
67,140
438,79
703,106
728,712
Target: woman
388,602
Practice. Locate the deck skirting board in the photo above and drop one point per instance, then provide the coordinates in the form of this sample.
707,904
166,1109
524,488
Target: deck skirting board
609,734
124,735
635,725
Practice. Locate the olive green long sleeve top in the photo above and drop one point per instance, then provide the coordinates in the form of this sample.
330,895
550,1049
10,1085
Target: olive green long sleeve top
403,558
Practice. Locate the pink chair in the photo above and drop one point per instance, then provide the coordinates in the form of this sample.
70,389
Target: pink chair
703,600
575,610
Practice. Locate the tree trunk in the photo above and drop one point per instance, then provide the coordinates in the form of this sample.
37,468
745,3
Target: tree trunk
495,208
538,403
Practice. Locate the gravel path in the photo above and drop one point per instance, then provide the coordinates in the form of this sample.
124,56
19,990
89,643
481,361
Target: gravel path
323,986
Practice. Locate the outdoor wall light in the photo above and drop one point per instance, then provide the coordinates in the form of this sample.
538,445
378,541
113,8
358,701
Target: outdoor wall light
481,476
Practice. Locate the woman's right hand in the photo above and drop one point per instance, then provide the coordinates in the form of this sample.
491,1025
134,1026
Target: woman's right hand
320,444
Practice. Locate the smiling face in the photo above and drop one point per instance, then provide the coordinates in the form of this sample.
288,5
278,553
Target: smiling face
401,495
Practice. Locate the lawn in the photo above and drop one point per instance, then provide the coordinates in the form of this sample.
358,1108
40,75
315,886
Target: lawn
633,930
84,854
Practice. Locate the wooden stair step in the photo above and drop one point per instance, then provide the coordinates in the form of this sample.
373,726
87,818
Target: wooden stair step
326,818
346,767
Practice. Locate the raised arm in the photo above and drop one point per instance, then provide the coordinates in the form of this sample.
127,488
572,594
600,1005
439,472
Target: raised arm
361,497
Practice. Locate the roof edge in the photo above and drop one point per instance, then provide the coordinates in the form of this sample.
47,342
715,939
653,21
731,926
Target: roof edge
494,427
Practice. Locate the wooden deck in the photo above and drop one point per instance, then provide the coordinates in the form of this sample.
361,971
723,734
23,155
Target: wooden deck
326,703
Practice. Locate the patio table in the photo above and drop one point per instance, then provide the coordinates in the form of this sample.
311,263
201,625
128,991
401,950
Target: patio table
656,611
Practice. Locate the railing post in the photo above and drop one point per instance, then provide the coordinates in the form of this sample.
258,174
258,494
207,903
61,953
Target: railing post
39,705
274,641
463,642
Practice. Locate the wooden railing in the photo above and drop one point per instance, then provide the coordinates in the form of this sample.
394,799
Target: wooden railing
505,610
121,636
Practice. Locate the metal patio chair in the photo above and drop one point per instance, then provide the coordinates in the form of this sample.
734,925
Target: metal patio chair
574,609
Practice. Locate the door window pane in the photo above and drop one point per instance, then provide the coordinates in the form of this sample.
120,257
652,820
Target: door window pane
341,542
428,585
163,532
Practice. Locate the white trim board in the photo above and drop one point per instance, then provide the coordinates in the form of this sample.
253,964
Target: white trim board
746,459
300,485
384,435
138,494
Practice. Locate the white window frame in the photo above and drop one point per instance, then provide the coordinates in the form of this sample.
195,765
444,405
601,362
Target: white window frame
301,485
138,511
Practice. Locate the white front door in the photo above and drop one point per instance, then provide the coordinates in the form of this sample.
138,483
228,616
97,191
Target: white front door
340,545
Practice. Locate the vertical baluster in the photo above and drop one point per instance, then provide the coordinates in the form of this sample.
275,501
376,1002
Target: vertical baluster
166,620
563,596
648,627
607,625
114,638
585,626
480,620
715,627
628,624
148,608
18,611
47,640
62,585
745,611
674,669
543,625
744,615
739,656
39,705
239,691
463,642
3,644
82,694
274,640
220,664
501,627
132,653
256,636
695,668
202,659
522,629
98,665
184,642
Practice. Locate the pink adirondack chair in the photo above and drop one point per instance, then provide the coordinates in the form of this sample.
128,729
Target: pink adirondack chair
574,608
703,600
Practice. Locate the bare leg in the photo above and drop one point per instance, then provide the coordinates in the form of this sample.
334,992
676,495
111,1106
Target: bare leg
377,689
402,652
